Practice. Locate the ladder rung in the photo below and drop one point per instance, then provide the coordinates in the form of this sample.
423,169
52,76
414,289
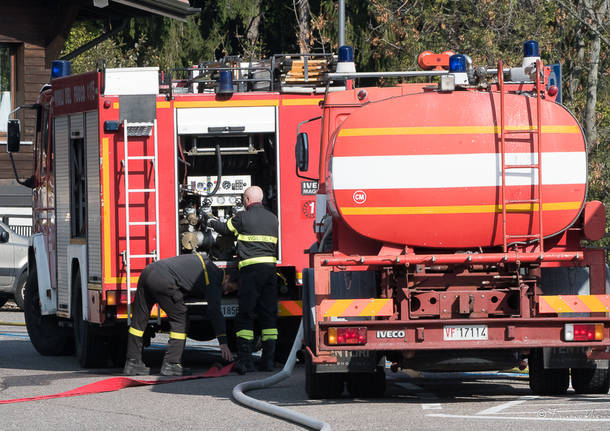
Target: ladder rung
522,166
141,256
141,190
140,157
514,132
524,201
142,223
534,235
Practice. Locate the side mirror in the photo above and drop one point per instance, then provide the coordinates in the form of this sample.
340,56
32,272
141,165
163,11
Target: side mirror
13,138
4,237
302,152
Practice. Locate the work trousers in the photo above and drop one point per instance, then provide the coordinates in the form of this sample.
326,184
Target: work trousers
257,298
157,286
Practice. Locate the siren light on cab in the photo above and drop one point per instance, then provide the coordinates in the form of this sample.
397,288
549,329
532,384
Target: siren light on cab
60,68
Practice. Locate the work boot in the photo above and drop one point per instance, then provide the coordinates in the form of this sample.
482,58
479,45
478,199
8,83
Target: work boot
134,367
173,369
267,362
244,363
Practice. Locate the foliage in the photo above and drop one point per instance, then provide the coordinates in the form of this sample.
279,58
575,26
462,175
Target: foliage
387,35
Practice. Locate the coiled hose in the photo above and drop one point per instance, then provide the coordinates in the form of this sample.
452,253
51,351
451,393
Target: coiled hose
265,407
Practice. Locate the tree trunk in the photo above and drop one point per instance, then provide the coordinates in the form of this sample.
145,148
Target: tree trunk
598,14
590,127
301,8
575,76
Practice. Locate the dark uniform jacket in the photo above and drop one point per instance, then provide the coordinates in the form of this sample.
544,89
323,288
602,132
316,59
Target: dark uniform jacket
256,230
187,271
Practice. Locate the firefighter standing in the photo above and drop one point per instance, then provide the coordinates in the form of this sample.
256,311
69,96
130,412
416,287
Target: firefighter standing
167,282
256,230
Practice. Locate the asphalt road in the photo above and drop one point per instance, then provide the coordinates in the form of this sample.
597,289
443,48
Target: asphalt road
456,401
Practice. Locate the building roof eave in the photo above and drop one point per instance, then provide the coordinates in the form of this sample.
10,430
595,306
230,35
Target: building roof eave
174,9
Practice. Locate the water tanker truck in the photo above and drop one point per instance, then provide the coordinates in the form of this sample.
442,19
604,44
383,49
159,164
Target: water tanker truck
452,218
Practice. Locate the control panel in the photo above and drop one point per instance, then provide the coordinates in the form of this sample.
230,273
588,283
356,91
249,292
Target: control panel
229,193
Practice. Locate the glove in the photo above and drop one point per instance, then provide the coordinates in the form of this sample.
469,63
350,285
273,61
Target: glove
213,223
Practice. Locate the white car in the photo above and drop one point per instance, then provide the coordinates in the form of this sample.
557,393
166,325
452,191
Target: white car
13,265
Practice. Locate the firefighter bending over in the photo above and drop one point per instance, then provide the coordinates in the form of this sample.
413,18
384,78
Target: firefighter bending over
167,282
256,230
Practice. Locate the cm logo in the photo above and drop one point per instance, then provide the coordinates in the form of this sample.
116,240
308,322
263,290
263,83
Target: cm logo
359,196
391,334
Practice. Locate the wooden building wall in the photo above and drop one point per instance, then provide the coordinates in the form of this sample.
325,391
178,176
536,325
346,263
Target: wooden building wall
35,29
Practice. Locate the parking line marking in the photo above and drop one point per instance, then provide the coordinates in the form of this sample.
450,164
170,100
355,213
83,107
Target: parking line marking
432,406
496,409
517,418
555,411
14,334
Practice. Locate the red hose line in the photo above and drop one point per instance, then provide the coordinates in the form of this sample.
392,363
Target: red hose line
117,383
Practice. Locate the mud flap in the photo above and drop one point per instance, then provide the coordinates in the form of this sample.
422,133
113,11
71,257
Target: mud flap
352,361
570,357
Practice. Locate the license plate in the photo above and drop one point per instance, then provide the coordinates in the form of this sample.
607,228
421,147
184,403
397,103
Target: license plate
229,310
464,332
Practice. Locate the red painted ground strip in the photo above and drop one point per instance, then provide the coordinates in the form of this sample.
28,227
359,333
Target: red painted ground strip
118,383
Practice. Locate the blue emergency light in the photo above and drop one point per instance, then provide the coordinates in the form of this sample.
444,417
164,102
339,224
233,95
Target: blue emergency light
225,82
457,63
531,49
60,68
346,54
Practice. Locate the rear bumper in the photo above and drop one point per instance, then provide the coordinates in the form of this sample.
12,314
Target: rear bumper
503,333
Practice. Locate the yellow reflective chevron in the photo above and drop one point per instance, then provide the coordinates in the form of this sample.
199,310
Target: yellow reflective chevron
574,303
258,238
177,335
357,307
136,332
252,261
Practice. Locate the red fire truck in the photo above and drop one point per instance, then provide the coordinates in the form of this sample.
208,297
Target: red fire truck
129,163
452,220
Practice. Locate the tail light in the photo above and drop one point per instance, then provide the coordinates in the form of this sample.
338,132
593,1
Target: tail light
346,335
584,332
111,297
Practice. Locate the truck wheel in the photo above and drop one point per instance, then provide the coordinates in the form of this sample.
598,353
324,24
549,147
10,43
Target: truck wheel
590,380
322,385
89,344
45,334
19,296
367,385
545,381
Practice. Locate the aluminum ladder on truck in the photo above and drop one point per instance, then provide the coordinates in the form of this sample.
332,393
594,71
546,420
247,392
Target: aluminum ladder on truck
139,129
537,165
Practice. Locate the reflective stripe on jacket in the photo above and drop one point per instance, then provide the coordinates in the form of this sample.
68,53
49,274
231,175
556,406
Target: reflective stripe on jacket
256,230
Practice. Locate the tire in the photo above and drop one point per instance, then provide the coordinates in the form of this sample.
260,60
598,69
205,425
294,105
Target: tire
19,296
367,385
544,381
91,349
590,380
322,385
44,331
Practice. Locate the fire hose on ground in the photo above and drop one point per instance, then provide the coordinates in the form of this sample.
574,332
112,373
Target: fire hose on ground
271,409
